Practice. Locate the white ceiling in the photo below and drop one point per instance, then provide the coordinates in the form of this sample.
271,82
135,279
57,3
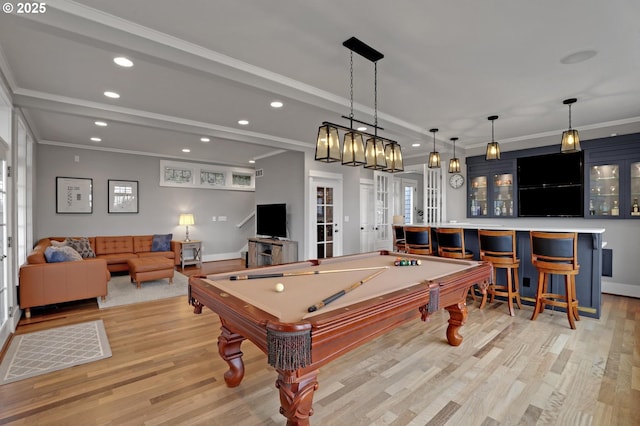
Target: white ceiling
200,66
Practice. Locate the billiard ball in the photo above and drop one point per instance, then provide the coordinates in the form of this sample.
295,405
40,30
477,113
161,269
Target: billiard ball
279,287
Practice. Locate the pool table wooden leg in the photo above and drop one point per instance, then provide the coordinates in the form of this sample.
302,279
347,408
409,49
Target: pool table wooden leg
296,395
457,318
229,349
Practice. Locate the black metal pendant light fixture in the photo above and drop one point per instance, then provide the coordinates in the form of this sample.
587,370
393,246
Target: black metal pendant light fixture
570,138
493,148
379,153
434,156
454,163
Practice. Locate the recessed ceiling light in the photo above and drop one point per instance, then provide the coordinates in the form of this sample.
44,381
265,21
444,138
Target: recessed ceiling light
123,62
205,140
614,134
415,145
96,140
100,123
252,161
276,104
361,128
577,57
112,95
186,150
243,122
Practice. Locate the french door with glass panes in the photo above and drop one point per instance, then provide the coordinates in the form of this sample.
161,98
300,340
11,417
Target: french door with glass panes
326,239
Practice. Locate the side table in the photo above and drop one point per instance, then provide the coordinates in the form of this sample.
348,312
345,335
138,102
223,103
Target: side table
191,253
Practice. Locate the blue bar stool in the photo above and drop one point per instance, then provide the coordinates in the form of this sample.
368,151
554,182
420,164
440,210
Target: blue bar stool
499,248
451,244
556,253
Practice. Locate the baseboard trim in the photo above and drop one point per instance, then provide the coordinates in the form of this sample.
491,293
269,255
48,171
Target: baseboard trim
620,289
222,256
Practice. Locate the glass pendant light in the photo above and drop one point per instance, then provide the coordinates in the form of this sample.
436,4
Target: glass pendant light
328,144
570,138
434,156
493,148
454,163
393,155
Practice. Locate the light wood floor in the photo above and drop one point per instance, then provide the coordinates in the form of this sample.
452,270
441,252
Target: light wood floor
165,370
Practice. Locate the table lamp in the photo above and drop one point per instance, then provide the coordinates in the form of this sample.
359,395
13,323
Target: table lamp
186,219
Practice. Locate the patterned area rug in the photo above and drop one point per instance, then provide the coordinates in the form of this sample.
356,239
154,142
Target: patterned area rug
45,351
123,292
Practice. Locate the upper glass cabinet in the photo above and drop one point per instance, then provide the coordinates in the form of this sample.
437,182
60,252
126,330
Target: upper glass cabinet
604,196
503,194
478,196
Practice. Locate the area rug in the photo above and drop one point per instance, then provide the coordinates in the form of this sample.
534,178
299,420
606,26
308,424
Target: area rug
41,352
123,292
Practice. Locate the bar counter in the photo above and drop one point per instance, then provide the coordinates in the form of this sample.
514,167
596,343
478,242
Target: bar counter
588,281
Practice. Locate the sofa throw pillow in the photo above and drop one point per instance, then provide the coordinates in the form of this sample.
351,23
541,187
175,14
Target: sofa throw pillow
161,242
82,246
61,254
56,243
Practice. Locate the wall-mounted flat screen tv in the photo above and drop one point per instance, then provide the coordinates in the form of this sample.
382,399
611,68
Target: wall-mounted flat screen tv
551,185
271,220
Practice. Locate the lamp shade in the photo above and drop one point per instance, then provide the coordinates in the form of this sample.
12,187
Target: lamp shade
374,154
328,144
186,219
434,160
353,149
454,165
393,155
493,151
570,141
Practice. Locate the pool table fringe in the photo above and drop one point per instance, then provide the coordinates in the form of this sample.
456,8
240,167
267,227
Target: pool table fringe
288,350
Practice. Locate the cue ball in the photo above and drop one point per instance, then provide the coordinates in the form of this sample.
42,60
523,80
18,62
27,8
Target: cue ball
418,262
279,287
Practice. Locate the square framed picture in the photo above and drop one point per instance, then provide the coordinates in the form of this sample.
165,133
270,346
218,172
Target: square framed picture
123,196
74,195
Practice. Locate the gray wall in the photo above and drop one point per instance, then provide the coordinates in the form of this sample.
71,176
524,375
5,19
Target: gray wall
282,181
159,206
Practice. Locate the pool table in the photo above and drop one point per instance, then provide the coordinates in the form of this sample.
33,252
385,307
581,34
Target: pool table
375,297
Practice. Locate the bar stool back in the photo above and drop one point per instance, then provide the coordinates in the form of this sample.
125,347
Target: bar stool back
399,240
556,253
499,248
418,239
451,243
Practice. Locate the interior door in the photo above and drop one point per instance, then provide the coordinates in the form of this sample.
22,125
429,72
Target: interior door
383,210
6,294
367,217
326,220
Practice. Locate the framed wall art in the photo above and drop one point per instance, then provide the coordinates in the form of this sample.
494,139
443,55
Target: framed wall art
123,196
74,195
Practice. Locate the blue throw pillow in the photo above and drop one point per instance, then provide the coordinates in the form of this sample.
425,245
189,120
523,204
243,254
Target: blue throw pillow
61,254
161,242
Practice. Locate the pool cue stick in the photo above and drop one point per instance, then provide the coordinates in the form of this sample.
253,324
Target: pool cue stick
299,273
341,293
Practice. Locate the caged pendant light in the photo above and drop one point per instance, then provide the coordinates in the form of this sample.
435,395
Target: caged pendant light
434,156
570,138
454,163
493,148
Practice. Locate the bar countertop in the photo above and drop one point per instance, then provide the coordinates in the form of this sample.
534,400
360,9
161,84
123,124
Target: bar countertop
470,225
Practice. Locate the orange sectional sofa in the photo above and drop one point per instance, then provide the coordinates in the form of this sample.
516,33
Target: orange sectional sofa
43,283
